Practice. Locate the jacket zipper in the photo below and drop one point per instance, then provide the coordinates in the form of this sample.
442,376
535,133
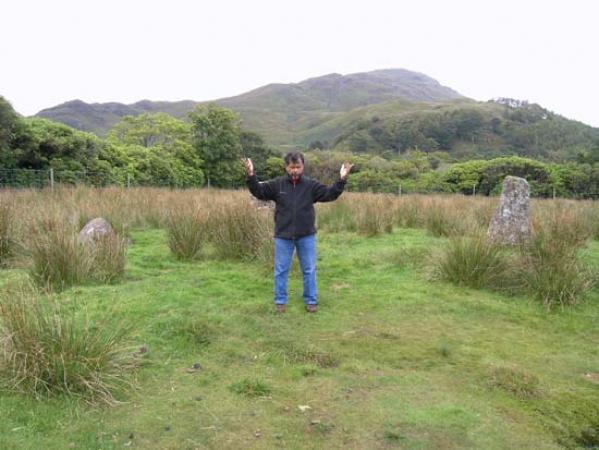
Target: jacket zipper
294,204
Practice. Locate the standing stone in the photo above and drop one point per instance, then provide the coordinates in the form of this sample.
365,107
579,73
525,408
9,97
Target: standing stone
511,223
95,229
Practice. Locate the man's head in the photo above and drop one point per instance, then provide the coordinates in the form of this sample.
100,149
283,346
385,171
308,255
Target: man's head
294,165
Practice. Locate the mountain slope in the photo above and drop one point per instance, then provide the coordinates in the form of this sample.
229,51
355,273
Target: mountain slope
336,92
100,117
278,111
384,111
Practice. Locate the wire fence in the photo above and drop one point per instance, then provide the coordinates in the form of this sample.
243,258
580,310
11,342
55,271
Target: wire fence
49,178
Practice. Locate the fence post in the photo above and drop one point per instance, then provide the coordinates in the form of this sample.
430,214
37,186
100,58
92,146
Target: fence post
474,189
51,178
128,180
399,191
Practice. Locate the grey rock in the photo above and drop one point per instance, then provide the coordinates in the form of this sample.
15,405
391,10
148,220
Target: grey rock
262,204
94,229
511,222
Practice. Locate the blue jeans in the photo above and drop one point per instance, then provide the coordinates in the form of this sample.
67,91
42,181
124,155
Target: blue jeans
306,253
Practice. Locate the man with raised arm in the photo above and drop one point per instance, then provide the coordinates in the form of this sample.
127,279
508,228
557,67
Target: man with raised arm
294,195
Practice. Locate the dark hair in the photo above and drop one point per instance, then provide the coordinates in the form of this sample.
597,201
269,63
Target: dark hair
294,157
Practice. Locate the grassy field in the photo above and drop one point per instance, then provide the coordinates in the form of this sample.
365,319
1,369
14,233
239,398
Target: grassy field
391,360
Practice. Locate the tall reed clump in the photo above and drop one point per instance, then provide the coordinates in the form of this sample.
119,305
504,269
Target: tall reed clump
439,222
7,238
550,269
446,217
52,349
408,211
187,231
339,215
545,266
108,254
471,261
590,214
59,259
239,230
374,214
483,211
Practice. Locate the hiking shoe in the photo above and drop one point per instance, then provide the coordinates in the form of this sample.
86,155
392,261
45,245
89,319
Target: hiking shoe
311,308
280,308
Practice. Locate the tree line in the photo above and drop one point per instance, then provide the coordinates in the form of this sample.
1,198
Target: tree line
149,149
160,150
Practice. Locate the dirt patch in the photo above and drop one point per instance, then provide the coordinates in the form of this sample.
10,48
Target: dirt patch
593,377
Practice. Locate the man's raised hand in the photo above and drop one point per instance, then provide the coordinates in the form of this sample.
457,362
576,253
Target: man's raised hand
345,168
249,166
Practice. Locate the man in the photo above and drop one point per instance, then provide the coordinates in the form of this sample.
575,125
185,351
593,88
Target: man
295,195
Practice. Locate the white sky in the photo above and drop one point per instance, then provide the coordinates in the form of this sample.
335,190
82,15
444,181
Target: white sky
129,50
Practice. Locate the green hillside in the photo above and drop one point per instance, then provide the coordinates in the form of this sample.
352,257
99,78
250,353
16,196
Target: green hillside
463,128
385,112
98,118
281,112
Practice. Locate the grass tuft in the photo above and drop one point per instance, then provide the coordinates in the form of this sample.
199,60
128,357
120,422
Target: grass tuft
515,382
472,261
108,255
191,330
187,232
376,216
251,388
393,438
49,349
243,232
550,269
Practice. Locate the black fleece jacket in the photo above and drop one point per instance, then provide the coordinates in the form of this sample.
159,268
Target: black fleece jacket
294,213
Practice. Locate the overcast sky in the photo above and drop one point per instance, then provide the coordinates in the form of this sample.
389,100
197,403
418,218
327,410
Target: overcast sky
128,50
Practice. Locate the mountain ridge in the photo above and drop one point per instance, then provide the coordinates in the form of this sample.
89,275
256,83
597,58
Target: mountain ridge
274,106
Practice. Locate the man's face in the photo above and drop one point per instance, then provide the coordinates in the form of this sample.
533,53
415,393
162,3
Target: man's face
295,170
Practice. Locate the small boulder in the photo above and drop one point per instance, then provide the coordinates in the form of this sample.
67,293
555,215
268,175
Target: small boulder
94,229
262,204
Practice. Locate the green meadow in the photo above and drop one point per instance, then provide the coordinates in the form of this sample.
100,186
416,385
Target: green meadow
394,358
